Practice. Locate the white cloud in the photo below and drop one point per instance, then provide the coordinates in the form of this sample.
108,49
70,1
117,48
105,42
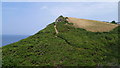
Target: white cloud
44,7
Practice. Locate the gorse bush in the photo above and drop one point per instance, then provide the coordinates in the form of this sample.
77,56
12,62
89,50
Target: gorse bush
113,22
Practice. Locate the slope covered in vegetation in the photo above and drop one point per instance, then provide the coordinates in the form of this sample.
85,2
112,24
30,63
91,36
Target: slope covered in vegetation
70,47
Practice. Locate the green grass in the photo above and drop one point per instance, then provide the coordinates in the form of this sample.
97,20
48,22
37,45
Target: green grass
70,47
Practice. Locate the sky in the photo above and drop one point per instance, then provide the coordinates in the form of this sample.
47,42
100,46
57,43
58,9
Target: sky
27,18
59,0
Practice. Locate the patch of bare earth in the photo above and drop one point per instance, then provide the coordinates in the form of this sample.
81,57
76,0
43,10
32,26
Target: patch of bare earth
91,25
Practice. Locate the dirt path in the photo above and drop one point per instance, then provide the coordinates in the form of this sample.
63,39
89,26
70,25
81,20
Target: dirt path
56,29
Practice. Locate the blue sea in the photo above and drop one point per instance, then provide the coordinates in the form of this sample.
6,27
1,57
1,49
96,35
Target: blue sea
8,39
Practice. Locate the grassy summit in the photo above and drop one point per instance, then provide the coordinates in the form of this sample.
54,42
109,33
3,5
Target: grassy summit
70,47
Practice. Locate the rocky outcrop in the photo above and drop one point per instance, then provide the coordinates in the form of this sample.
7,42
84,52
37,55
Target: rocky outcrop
60,19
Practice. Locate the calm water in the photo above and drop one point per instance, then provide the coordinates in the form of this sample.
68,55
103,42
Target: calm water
8,39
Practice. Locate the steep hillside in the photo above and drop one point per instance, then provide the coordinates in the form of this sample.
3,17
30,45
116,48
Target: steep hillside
92,25
70,47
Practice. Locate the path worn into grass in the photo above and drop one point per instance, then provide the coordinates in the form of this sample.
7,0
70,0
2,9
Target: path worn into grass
56,29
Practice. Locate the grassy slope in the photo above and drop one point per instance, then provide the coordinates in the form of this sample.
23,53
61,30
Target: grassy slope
92,25
71,47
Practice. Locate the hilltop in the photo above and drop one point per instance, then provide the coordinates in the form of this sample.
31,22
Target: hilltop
71,46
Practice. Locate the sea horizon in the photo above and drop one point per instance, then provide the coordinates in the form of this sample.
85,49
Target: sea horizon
8,38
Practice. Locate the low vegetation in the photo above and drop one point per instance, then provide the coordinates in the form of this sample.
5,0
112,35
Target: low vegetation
70,47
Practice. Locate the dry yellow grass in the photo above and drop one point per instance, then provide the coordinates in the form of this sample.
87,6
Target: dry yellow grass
91,25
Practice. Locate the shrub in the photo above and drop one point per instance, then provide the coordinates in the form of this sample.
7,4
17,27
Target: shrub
113,22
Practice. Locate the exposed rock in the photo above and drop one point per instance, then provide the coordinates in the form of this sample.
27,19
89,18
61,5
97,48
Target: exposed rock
60,19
